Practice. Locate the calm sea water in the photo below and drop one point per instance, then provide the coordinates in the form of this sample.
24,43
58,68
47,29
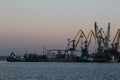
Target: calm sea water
59,71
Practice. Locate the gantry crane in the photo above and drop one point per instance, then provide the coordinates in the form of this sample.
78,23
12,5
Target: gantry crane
99,37
115,44
79,36
87,42
79,39
102,38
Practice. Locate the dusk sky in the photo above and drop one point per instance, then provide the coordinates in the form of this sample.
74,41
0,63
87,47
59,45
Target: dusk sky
32,24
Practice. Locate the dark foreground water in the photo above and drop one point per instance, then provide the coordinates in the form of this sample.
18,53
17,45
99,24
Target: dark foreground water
59,71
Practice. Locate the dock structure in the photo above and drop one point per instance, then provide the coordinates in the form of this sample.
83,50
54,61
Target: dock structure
104,52
77,49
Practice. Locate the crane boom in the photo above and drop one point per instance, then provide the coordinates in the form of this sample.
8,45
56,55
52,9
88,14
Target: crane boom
91,33
80,35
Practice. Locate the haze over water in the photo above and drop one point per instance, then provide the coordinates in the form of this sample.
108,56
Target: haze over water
32,24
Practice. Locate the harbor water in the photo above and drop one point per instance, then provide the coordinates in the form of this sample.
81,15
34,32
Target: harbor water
59,71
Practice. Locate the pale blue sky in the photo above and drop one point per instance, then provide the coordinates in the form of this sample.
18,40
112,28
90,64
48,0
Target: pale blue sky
30,24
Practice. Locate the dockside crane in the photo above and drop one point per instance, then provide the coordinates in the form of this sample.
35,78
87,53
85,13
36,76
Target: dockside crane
87,42
103,51
116,44
107,37
99,37
78,38
102,38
